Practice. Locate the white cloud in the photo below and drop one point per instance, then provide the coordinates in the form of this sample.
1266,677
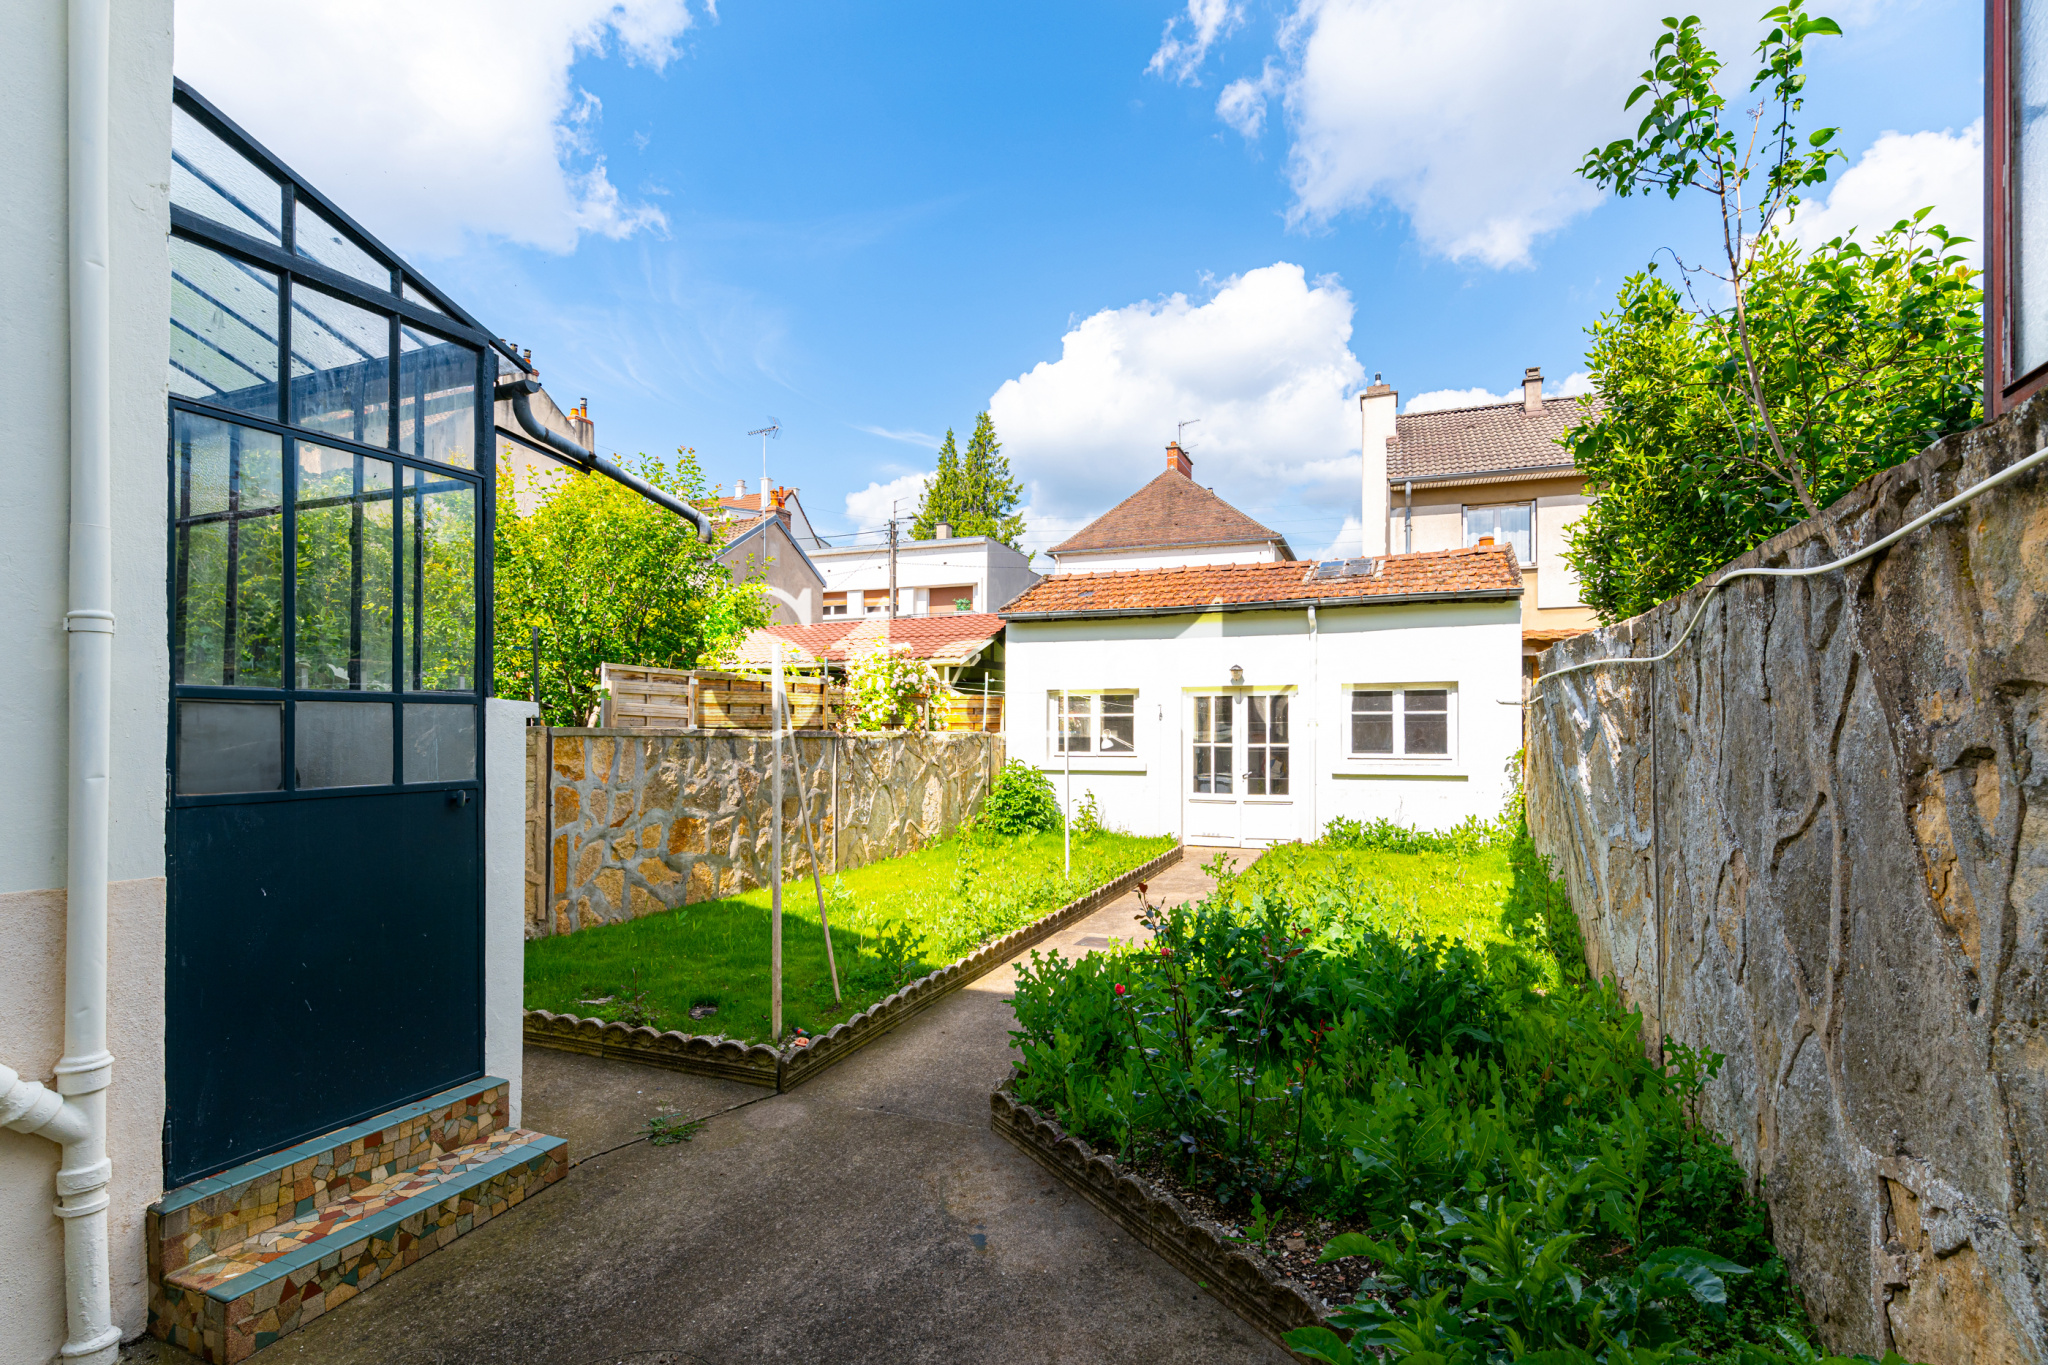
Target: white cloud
1207,20
1470,118
1350,540
1265,363
433,122
1899,175
1437,400
874,505
909,438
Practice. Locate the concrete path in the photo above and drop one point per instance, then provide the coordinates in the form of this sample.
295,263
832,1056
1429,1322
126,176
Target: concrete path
869,1216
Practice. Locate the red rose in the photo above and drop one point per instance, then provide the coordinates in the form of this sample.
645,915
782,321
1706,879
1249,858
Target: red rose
1119,988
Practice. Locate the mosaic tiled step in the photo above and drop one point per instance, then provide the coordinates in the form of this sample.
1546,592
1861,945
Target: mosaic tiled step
245,1257
234,1304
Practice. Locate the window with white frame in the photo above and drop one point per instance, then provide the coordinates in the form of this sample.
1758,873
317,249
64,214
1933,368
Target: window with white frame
1506,523
1403,722
1093,722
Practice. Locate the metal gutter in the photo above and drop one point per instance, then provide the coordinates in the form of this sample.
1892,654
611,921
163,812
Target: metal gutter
519,392
1552,471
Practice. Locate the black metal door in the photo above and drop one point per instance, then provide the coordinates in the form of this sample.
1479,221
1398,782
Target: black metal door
324,968
329,592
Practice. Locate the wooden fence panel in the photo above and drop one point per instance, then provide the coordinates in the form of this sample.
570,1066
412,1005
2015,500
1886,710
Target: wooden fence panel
708,699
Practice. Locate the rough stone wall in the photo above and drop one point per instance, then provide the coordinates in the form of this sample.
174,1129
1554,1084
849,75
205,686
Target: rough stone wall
1816,841
644,821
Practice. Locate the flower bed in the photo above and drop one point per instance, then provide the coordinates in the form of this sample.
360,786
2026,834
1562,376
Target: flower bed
1489,1149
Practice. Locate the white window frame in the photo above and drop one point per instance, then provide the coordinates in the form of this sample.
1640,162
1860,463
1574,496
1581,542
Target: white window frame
1056,732
1400,752
1524,561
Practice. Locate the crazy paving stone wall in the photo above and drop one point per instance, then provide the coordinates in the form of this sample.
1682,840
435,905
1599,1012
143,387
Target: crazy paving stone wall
1816,841
624,823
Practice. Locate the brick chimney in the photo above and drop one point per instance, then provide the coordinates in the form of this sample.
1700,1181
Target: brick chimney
1177,460
1376,408
1532,390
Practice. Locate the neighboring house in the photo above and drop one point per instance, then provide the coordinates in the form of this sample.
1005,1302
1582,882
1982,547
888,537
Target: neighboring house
533,467
1454,478
1171,521
965,647
264,872
772,547
1250,704
933,577
741,503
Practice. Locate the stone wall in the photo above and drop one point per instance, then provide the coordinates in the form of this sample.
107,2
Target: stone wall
645,821
1816,841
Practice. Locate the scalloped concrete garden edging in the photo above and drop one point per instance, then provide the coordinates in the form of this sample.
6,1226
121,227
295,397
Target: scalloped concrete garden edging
785,1069
1273,1305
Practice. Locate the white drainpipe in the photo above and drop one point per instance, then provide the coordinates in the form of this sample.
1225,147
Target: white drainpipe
75,1115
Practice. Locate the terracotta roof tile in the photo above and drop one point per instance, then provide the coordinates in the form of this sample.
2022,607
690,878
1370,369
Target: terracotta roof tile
1549,637
949,638
1171,510
1492,439
1484,571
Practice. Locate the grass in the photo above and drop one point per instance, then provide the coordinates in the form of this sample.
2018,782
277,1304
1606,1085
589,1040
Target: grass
703,968
1466,897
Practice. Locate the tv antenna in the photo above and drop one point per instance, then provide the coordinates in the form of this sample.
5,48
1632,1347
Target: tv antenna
1180,430
773,431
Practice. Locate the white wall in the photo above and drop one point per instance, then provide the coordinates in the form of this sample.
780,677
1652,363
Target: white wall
996,572
1475,647
1175,557
1556,583
505,890
34,402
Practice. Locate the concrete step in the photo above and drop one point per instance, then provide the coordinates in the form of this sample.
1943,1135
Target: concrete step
253,1254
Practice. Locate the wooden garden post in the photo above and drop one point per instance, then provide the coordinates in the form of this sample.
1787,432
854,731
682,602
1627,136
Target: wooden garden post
775,842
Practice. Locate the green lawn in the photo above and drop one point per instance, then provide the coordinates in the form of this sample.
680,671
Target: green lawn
1461,896
892,922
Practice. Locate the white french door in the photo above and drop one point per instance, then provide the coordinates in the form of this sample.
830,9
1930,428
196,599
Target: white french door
1238,786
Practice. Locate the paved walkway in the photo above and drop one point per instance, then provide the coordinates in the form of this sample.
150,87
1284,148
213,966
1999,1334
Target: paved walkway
869,1216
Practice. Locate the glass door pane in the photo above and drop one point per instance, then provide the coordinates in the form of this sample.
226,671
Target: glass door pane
227,574
1266,745
2029,290
1214,745
345,571
437,546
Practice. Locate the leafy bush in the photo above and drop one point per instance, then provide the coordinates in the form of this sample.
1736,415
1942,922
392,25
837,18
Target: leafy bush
1524,1176
1465,838
889,689
1022,801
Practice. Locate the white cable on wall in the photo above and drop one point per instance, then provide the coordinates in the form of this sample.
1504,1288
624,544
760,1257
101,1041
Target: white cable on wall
2009,472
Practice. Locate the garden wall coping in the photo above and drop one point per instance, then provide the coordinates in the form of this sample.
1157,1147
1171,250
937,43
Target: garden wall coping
788,1067
1242,1281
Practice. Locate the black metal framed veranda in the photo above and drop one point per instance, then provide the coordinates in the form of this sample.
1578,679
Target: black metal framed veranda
331,490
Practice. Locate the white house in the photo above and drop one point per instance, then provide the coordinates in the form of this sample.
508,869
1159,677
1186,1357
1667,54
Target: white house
933,577
1170,521
1247,704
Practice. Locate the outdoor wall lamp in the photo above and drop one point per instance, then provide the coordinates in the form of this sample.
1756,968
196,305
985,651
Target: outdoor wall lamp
1236,676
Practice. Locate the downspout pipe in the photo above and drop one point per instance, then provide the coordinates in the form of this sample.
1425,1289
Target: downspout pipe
75,1114
520,393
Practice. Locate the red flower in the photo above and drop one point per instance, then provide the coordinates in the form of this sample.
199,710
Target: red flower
1119,988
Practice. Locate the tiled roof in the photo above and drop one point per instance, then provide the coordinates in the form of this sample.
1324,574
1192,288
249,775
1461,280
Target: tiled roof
1171,510
1486,440
1482,571
1547,638
949,638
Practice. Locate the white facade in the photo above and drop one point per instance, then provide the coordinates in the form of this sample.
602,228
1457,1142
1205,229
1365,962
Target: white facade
932,577
1170,557
1174,668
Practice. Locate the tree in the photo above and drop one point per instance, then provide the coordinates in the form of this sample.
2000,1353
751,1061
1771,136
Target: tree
1721,424
973,494
610,577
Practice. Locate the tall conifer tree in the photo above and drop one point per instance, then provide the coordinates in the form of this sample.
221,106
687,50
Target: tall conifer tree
973,493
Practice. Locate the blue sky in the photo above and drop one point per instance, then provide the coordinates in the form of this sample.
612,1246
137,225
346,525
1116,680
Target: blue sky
873,220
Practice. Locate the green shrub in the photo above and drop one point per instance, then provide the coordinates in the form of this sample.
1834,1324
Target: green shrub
1521,1171
1467,837
1021,802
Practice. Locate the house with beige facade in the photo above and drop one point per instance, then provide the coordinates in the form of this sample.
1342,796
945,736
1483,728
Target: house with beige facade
1493,473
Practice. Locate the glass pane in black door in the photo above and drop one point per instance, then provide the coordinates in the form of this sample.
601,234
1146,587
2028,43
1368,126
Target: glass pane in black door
437,542
227,570
345,571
